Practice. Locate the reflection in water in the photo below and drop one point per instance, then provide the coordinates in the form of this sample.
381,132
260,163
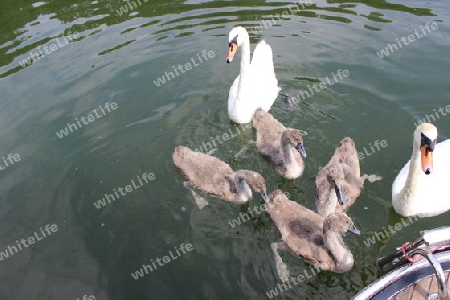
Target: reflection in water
22,36
116,57
383,4
48,49
160,113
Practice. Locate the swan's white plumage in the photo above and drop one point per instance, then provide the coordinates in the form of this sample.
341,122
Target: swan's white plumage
420,194
232,95
256,86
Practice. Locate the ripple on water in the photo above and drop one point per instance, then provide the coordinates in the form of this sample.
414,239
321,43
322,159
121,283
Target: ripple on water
117,57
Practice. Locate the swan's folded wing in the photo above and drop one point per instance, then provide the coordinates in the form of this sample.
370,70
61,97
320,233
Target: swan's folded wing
262,61
442,160
232,95
400,180
265,84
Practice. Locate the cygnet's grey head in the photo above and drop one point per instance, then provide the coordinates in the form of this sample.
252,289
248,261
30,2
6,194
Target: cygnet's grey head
346,144
254,180
277,196
339,222
295,139
336,177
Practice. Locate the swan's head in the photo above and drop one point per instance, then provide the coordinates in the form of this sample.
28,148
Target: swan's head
236,37
254,180
425,137
335,174
294,138
339,222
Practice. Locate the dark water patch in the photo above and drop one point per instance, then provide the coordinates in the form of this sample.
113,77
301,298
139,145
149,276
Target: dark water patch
214,28
347,5
336,18
128,30
115,48
377,17
383,4
149,23
315,80
372,28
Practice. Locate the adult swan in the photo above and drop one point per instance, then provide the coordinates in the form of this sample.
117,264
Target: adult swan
256,86
421,187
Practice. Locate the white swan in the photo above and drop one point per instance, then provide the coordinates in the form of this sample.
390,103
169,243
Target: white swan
256,86
421,187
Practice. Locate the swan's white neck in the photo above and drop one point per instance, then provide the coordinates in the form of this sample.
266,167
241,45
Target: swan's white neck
343,257
410,189
245,57
244,76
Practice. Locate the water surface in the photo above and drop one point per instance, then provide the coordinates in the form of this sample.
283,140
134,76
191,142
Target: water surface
106,55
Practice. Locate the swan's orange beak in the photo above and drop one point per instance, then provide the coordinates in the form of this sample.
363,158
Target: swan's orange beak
232,48
427,159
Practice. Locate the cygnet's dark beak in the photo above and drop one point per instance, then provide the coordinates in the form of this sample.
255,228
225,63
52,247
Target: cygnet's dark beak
352,228
301,150
339,194
265,197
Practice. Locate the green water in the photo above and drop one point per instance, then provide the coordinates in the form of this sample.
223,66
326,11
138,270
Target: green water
95,56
